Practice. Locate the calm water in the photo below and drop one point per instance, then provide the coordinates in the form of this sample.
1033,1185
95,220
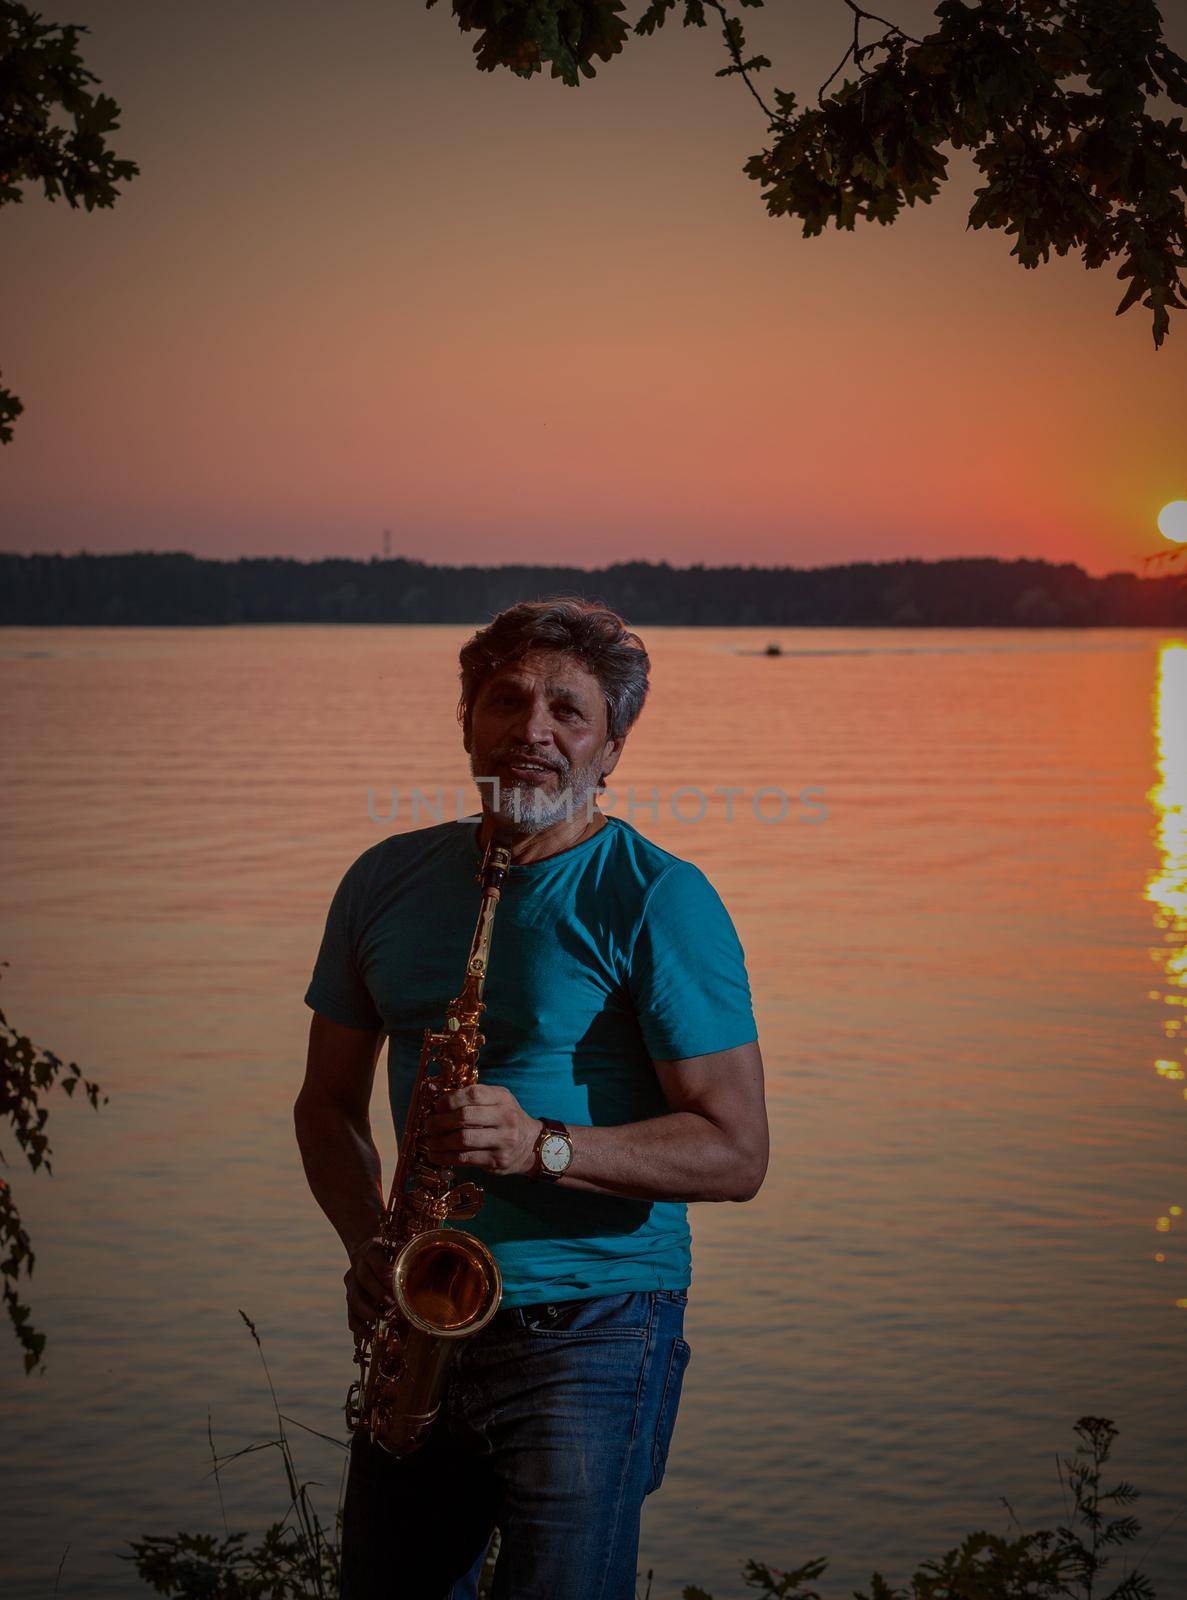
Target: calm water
969,979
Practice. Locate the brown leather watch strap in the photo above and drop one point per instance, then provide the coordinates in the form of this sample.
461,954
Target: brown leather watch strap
548,1127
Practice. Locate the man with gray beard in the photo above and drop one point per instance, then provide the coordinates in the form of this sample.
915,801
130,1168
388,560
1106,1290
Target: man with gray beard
620,1079
524,802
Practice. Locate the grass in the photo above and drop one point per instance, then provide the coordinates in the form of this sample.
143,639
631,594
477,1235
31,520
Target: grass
298,1556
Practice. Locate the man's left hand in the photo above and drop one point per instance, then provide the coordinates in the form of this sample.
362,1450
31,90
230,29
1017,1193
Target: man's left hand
482,1126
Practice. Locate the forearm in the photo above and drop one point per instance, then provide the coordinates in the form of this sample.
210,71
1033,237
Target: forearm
343,1169
680,1155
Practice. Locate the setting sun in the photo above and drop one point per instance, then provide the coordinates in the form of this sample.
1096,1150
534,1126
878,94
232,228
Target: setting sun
1172,521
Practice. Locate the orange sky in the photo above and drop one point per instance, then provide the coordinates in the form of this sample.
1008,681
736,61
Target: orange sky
361,285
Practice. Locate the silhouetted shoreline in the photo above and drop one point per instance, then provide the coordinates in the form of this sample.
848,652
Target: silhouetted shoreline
177,589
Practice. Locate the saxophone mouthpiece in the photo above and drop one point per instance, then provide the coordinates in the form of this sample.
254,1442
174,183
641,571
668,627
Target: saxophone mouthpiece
496,863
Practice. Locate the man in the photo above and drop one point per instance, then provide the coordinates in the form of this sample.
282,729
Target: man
617,1008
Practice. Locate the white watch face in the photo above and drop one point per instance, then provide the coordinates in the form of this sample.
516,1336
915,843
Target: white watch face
554,1153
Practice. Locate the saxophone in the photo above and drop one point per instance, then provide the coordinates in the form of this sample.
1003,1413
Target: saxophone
445,1283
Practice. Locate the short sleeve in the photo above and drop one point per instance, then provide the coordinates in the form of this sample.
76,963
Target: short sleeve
687,970
337,989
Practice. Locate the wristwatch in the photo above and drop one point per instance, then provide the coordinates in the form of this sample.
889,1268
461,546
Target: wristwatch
554,1150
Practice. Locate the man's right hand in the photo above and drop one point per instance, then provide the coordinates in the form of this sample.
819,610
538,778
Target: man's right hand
368,1283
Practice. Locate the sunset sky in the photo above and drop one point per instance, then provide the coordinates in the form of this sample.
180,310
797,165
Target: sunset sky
360,284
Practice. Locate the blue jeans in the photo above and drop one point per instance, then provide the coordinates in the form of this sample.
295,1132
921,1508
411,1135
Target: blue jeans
555,1424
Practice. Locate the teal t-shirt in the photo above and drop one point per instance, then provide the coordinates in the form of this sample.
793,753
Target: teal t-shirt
605,957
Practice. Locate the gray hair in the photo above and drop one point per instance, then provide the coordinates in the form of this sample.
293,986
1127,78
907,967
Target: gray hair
596,637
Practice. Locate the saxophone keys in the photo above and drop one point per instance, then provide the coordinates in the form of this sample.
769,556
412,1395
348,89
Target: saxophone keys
354,1406
392,1370
463,1202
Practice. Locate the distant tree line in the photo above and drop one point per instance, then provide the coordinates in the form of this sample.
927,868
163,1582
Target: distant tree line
151,589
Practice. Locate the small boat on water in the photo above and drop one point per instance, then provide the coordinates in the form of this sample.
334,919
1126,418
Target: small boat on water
773,650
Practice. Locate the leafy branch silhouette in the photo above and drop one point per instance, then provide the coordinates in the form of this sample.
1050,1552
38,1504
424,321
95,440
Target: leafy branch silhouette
53,129
1051,96
26,1073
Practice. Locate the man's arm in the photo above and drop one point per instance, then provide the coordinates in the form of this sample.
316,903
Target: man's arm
332,1118
711,1145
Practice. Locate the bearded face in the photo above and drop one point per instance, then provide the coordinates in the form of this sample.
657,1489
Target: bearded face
538,738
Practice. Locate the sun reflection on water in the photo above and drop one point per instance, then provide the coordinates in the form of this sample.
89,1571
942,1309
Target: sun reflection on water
1167,888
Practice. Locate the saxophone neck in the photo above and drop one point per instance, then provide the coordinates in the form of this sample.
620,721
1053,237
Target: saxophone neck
496,863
